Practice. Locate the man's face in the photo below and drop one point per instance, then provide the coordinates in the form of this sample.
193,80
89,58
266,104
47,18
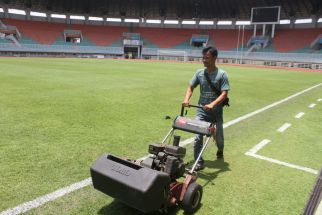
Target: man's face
208,59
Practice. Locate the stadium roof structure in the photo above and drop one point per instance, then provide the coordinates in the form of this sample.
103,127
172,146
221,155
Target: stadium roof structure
177,9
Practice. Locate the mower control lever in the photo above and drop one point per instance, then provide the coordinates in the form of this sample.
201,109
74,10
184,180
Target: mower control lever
194,106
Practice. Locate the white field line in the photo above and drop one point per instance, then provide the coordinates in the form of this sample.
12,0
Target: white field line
299,115
44,199
319,209
319,100
306,169
259,146
252,152
284,127
22,208
269,106
312,105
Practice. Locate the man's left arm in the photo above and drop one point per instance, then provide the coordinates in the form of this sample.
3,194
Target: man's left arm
217,101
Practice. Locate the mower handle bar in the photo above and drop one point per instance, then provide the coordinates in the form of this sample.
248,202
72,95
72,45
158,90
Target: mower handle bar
194,106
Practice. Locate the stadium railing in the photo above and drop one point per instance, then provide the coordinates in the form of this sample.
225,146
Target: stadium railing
190,53
61,49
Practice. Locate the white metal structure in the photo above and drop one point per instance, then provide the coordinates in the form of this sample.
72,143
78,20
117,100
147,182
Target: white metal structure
164,54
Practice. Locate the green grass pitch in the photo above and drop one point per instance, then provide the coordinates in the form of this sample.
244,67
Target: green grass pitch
57,116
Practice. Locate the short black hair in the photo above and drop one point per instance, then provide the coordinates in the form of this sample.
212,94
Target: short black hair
212,50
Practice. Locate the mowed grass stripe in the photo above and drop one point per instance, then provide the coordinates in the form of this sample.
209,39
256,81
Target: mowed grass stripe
79,185
237,185
60,115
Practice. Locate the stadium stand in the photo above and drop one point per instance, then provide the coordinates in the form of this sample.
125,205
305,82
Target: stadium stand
286,40
34,32
261,41
37,32
316,45
295,40
103,35
167,37
49,38
226,39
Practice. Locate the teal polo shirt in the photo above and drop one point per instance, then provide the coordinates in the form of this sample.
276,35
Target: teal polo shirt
218,78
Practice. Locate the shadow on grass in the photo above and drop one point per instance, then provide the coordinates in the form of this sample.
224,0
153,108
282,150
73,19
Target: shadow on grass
117,207
218,164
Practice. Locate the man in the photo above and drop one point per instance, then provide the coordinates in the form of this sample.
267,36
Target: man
211,98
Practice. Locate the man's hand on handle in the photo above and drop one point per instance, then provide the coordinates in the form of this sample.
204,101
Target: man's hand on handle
185,103
208,107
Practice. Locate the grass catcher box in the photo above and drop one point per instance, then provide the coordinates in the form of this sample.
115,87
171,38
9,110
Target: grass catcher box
139,187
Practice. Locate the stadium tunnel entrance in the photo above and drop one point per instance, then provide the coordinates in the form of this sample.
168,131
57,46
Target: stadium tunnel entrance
132,52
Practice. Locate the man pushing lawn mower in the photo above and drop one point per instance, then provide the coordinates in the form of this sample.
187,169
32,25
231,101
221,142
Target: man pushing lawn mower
214,87
159,181
162,180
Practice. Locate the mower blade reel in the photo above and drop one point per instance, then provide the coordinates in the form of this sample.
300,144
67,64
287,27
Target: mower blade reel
139,187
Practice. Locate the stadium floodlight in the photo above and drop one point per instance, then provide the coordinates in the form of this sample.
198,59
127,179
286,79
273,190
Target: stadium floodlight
242,22
204,22
39,14
113,19
224,22
188,22
153,21
285,21
320,20
16,11
93,18
132,20
59,16
1,10
302,21
171,22
77,17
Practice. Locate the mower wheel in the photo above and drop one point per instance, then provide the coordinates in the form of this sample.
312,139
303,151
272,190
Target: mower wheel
192,198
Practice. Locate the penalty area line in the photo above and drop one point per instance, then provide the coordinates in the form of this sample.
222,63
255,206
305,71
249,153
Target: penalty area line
24,207
305,169
252,152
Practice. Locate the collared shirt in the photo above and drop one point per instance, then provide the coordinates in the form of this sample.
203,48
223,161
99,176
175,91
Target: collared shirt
218,78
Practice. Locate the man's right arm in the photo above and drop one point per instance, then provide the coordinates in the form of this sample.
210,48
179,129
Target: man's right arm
186,99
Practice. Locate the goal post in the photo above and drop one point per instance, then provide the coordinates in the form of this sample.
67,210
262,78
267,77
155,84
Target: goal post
164,54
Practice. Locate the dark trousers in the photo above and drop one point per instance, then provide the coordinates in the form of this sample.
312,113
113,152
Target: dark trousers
215,118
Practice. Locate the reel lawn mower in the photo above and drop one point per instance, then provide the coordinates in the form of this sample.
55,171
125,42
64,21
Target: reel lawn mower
152,184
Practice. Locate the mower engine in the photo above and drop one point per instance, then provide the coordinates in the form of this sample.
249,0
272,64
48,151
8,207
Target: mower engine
167,159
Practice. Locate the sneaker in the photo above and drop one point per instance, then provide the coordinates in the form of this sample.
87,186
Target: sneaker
220,154
199,167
